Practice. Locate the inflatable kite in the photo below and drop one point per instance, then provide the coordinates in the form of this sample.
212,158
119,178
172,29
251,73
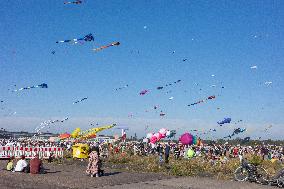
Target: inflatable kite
160,135
64,136
75,133
43,85
87,38
90,133
107,46
226,120
186,139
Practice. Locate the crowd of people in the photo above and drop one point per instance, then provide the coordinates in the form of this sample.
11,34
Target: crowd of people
164,151
211,152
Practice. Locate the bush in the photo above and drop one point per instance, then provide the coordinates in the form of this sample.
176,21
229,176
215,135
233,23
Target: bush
187,167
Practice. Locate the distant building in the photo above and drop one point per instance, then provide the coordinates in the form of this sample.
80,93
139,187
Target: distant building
23,134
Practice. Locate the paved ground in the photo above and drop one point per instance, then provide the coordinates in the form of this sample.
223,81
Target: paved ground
73,176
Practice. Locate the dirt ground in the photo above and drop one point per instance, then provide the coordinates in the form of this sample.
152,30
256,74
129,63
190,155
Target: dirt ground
73,176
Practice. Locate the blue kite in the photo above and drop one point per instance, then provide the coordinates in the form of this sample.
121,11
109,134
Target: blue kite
226,120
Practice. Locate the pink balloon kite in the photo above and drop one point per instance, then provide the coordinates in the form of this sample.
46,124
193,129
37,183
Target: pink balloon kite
186,139
153,139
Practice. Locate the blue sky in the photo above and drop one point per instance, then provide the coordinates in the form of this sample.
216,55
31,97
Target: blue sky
224,38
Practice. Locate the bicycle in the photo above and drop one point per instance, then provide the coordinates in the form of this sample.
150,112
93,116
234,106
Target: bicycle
252,173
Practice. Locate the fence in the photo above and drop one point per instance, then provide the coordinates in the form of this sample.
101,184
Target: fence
29,152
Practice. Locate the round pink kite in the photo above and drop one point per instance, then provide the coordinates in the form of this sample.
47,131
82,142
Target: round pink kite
186,139
153,139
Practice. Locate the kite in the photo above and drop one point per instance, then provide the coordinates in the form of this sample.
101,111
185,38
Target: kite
75,133
266,129
203,131
104,47
143,92
90,133
253,67
48,122
239,121
120,88
171,98
73,2
226,120
246,139
87,38
268,83
43,85
202,101
162,114
184,60
64,136
52,52
169,84
85,98
235,132
186,139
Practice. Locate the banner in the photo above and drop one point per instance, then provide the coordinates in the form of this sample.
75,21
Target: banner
29,152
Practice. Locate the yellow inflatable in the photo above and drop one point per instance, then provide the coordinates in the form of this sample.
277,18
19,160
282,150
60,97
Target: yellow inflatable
75,133
80,151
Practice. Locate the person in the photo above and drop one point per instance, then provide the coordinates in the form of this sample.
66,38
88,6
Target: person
21,165
167,152
50,158
36,165
160,152
10,164
177,151
93,166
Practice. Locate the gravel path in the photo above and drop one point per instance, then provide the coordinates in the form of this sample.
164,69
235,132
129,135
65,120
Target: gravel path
73,176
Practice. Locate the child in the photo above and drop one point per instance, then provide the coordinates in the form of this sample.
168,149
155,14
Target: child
10,165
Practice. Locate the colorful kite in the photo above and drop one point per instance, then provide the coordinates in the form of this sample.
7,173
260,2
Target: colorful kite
226,120
87,38
85,98
43,85
104,47
73,2
202,101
